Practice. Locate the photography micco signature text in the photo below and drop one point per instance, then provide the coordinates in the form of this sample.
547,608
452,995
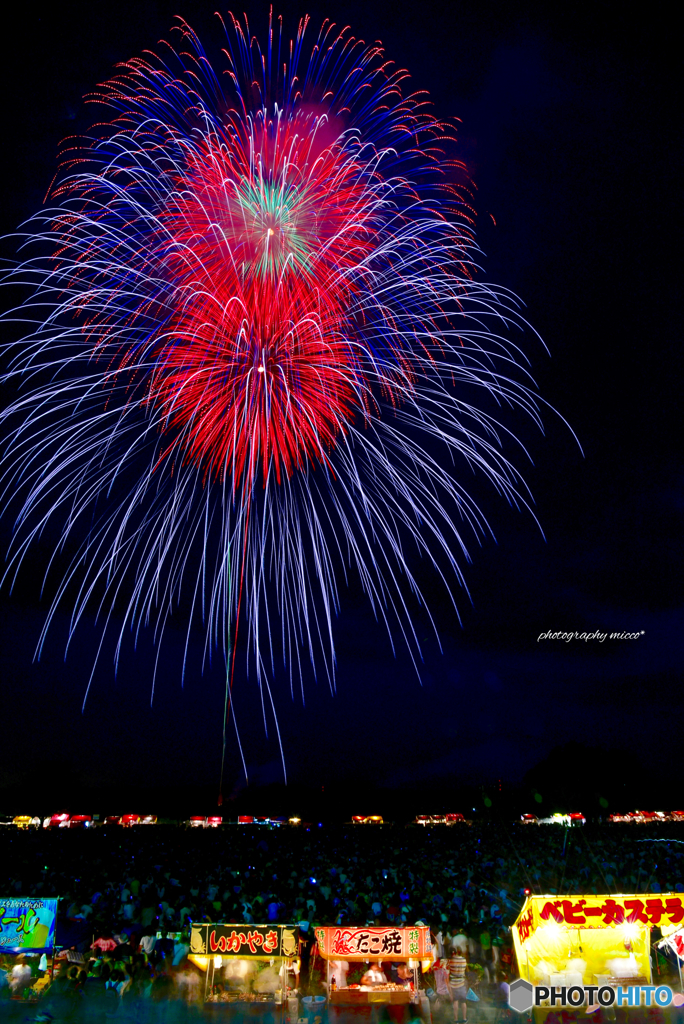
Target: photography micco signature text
595,635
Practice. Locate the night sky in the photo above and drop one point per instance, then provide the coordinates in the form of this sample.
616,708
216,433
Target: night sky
569,129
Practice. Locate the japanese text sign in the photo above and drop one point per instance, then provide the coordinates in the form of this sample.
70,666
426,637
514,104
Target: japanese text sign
27,924
374,943
243,940
590,912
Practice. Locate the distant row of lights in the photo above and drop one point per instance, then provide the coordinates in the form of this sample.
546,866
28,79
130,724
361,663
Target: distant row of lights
214,821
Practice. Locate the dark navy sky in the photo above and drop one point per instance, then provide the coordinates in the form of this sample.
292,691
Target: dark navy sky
570,131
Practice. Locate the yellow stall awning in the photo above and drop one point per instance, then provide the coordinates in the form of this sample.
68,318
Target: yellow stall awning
588,939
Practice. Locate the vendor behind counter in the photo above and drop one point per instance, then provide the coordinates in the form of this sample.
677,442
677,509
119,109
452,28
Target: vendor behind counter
374,975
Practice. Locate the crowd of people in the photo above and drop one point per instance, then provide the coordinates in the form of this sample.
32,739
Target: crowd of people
128,897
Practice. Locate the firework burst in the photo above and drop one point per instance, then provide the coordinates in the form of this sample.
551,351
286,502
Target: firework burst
258,353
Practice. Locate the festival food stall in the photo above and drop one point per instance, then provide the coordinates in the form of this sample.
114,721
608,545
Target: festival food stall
245,963
81,821
342,945
57,821
26,821
27,933
589,940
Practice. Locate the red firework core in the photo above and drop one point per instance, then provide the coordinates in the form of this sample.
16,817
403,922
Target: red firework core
259,240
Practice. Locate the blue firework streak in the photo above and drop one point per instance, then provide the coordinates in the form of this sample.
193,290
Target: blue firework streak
257,352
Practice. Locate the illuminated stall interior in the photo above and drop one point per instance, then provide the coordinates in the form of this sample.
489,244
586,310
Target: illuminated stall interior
246,962
342,946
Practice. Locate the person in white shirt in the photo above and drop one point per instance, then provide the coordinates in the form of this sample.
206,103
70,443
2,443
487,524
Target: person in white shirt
374,976
20,977
147,944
